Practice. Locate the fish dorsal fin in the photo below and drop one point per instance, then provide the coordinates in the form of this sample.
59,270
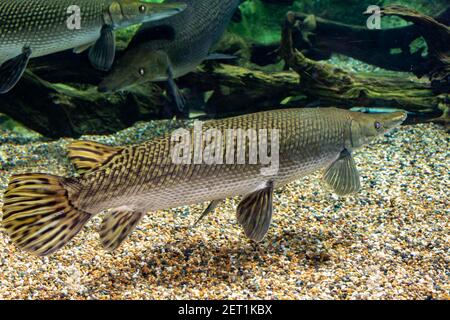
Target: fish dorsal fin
87,155
342,175
254,212
117,225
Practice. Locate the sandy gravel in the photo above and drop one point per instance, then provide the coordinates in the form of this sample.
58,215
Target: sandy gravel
390,241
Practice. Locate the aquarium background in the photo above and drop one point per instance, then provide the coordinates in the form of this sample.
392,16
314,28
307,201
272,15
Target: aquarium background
390,241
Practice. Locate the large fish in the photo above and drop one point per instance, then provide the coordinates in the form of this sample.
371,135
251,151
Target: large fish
168,50
42,212
34,28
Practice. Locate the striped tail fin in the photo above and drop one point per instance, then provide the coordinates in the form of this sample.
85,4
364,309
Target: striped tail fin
38,214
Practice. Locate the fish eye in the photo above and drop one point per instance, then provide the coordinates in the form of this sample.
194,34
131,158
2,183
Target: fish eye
141,8
377,125
141,71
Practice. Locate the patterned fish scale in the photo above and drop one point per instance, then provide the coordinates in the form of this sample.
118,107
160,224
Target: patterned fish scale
145,176
42,25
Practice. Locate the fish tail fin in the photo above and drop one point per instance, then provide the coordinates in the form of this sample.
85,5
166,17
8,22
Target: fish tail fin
38,214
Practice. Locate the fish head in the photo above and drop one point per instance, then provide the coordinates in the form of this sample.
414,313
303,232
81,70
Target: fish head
125,13
139,65
366,127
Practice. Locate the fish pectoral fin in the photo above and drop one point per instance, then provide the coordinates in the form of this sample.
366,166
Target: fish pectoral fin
175,92
12,70
117,225
87,155
220,56
211,207
254,212
83,48
102,53
342,175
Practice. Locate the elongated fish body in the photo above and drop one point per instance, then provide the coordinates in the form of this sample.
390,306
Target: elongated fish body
43,212
191,35
34,28
310,140
42,25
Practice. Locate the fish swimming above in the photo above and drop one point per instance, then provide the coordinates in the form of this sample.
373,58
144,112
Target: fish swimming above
34,28
42,212
164,51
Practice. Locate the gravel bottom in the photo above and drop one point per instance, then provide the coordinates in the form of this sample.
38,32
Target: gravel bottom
390,241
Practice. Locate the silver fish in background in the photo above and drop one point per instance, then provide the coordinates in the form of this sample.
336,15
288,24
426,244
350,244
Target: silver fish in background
164,51
42,212
34,28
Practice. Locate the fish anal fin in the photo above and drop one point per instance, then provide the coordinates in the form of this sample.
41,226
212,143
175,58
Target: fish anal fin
254,213
12,70
102,53
38,214
87,155
342,175
117,225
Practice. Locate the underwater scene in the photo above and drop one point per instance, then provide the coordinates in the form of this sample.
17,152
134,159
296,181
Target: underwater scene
225,149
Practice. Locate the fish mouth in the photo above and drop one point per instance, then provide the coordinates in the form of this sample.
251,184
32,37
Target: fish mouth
165,10
397,118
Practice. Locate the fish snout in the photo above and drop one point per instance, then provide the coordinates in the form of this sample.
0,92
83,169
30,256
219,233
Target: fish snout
160,11
395,119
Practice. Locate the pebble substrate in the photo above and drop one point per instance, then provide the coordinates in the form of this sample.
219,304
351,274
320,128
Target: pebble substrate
390,241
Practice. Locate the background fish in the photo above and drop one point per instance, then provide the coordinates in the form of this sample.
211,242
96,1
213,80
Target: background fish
166,51
41,212
34,28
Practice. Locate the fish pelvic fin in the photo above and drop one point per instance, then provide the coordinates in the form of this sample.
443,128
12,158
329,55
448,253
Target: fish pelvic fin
88,155
175,92
12,70
102,53
117,225
38,214
254,212
211,207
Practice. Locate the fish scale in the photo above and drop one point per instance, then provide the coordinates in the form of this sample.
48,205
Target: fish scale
303,148
43,25
42,212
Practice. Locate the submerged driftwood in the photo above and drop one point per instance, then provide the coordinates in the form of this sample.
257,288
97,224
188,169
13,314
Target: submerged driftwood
385,48
332,86
437,37
67,103
57,110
